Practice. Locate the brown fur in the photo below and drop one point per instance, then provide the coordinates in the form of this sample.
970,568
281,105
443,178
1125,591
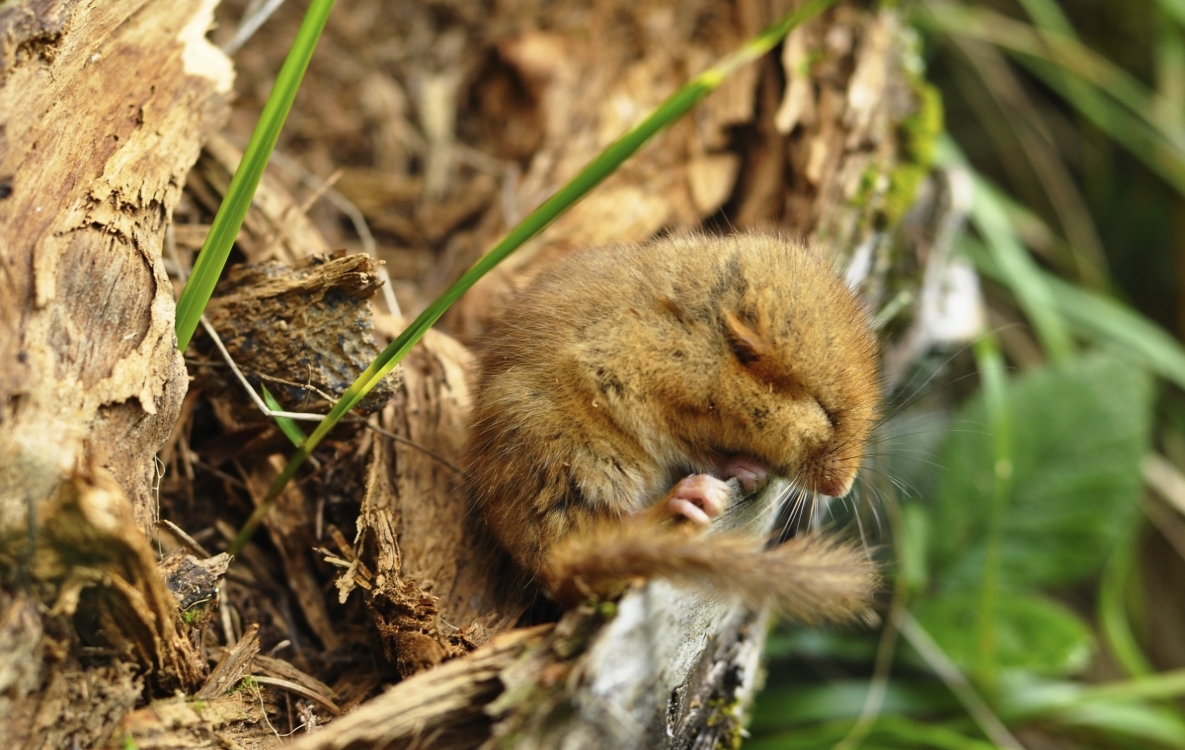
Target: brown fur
809,578
623,369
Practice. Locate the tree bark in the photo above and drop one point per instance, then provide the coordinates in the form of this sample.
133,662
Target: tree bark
103,107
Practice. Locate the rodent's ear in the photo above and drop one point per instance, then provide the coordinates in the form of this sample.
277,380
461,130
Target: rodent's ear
747,345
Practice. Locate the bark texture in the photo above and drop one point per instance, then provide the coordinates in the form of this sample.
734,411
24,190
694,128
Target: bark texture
103,107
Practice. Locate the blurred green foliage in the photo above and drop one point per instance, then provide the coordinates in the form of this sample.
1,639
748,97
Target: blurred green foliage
1016,615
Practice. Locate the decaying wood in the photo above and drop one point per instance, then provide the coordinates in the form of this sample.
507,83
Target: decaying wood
289,526
304,330
191,581
435,590
442,708
231,667
97,579
235,720
103,107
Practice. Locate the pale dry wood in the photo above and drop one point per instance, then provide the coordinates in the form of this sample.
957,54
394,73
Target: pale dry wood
103,107
236,720
435,592
232,666
442,708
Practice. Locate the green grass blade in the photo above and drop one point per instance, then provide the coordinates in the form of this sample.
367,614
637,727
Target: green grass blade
1144,122
1101,319
990,363
287,425
1065,53
1112,612
229,218
1021,273
1014,267
600,168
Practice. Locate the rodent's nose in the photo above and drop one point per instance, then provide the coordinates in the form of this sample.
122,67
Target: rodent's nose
835,486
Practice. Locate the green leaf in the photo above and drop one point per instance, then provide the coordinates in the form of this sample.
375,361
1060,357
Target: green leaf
779,708
1031,632
1020,271
888,733
1120,709
1131,720
1081,431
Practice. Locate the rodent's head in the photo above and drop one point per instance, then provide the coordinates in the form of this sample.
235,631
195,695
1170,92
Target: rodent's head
776,361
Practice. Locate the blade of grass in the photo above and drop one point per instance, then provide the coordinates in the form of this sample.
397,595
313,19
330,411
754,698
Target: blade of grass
949,673
990,363
229,218
1112,612
600,168
1066,54
1099,318
1028,149
288,426
1146,123
1020,273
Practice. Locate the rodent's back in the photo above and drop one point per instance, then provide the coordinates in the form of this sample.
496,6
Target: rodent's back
622,369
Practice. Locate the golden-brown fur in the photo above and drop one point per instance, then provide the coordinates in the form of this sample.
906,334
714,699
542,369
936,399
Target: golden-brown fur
621,370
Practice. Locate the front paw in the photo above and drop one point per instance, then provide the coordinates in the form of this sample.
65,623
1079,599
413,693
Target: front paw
698,498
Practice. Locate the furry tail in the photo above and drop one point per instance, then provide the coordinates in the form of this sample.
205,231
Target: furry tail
809,579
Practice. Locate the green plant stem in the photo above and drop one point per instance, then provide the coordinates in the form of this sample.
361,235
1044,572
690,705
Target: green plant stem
229,218
1112,611
999,413
600,168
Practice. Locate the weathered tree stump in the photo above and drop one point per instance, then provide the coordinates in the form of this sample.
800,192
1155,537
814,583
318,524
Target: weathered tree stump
103,108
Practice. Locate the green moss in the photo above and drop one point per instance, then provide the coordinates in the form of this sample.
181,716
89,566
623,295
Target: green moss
129,742
191,615
867,187
726,711
247,683
918,133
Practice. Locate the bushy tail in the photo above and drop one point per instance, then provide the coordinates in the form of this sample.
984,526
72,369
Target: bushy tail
809,579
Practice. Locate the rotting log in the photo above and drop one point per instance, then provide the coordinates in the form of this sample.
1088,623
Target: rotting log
103,108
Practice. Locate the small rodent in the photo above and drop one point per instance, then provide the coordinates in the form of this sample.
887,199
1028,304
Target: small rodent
624,385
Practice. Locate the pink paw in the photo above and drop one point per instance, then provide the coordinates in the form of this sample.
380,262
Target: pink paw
699,498
751,473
